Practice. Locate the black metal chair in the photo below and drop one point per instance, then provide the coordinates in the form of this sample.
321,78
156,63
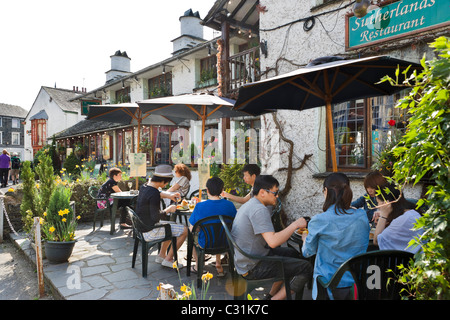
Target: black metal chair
196,193
215,242
239,293
375,274
138,229
93,192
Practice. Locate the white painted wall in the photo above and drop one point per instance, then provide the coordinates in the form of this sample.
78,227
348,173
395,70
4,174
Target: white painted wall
291,48
58,120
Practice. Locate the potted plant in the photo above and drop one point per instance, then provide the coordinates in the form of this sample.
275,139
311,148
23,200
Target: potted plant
146,147
62,150
58,226
80,150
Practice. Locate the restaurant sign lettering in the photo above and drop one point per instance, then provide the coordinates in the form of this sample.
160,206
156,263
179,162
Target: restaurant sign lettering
396,19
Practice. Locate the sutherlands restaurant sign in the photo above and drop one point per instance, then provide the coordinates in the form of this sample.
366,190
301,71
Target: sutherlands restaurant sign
396,19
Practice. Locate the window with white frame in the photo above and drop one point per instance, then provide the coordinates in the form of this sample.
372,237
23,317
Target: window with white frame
1,137
1,122
15,123
15,138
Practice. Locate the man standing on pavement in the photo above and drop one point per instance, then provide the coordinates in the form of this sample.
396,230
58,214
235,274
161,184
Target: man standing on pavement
254,233
15,167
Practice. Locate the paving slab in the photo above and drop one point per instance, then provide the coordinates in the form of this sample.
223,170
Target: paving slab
100,269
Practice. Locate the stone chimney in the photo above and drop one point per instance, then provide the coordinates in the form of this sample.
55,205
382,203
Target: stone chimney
120,66
191,32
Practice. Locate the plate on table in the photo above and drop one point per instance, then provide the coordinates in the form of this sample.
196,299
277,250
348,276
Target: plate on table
182,208
300,231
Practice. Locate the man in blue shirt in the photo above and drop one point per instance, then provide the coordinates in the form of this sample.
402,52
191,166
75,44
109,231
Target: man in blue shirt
211,207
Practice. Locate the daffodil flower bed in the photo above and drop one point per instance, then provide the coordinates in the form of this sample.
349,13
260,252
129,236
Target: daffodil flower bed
188,291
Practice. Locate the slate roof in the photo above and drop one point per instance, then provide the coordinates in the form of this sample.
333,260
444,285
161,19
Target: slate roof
12,111
86,127
62,97
40,115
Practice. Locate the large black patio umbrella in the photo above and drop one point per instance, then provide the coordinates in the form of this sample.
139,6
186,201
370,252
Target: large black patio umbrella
323,82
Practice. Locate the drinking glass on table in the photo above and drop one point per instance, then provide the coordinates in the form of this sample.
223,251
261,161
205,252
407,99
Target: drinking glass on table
191,205
130,184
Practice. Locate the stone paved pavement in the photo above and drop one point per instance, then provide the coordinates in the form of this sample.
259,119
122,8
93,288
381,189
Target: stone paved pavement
100,269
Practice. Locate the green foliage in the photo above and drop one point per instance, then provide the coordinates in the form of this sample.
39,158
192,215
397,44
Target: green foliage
28,207
59,223
44,170
84,204
231,174
425,151
72,164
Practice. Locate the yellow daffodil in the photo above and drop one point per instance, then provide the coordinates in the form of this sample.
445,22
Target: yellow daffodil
175,265
183,288
41,221
10,190
61,213
44,214
52,229
157,288
78,217
207,276
63,219
37,185
188,293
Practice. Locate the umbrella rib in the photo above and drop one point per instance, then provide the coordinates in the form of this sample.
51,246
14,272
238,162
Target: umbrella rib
209,114
150,111
313,85
307,90
105,113
369,85
264,92
307,94
195,111
346,83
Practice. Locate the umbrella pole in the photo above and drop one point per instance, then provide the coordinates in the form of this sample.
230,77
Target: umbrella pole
138,147
331,136
202,146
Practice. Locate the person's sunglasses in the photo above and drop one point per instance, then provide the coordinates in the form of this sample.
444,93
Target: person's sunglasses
275,193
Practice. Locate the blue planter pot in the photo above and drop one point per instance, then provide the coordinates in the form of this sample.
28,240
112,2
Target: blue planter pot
58,252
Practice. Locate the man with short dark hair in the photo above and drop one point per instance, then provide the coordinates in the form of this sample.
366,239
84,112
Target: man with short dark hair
148,210
250,171
212,207
254,233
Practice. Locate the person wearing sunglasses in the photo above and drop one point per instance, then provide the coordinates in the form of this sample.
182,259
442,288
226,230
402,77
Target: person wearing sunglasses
253,231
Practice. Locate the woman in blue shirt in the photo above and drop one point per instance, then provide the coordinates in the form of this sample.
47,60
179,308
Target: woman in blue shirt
336,235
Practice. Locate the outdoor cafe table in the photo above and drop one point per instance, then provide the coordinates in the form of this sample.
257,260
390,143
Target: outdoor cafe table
183,213
119,196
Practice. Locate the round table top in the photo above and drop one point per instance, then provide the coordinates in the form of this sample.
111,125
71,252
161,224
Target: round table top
125,194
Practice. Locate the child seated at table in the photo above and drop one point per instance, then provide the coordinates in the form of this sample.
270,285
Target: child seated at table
211,207
110,186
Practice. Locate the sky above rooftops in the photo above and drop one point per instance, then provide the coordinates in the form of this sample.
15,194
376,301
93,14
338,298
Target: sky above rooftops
69,43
